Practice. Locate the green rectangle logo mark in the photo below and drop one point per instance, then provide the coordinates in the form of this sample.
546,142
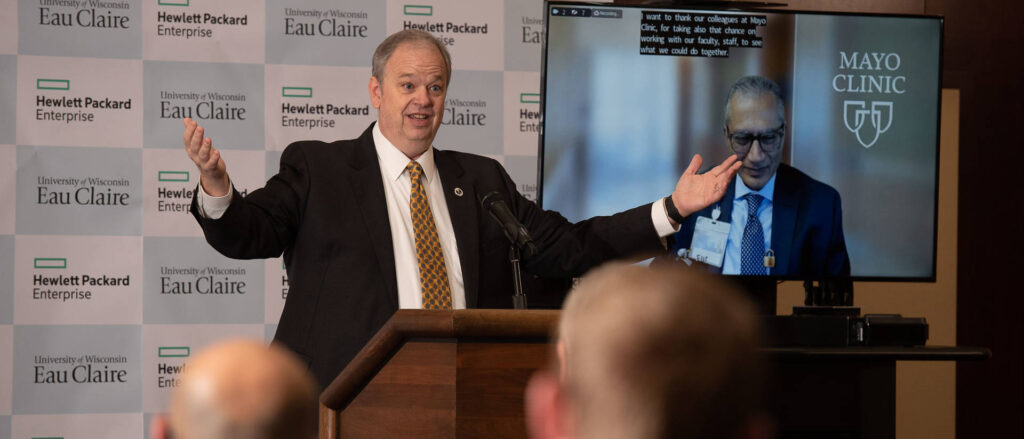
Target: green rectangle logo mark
173,351
53,84
172,2
51,263
424,10
297,92
181,176
529,98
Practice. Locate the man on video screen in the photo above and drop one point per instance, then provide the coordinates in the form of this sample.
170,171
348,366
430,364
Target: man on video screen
775,220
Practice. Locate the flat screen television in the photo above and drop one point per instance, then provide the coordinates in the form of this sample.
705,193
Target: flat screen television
632,92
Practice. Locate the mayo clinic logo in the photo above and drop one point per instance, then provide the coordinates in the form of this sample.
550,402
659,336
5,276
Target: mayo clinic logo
880,117
877,73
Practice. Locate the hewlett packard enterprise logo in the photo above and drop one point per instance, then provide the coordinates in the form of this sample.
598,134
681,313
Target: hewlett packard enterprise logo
170,196
175,22
529,116
67,108
53,283
420,17
167,370
300,110
284,281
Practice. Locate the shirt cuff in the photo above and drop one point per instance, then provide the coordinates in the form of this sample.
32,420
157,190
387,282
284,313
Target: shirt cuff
659,216
211,207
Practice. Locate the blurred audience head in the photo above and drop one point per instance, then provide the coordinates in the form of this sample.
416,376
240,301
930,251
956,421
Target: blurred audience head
241,389
660,352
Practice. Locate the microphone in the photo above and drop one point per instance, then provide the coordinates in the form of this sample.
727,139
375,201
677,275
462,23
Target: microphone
514,230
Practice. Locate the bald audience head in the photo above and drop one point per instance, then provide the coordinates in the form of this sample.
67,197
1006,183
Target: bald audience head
242,389
662,352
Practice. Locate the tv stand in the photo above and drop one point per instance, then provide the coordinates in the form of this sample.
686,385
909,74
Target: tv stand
829,319
846,311
829,293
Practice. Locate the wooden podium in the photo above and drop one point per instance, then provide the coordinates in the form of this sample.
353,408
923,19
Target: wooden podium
440,374
455,374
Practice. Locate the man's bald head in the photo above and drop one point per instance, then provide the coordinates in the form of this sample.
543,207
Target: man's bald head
244,389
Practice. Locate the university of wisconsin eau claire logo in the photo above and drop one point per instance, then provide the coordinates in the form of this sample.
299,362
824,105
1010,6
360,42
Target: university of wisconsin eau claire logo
866,119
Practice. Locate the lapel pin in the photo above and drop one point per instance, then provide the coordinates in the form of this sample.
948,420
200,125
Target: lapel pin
458,192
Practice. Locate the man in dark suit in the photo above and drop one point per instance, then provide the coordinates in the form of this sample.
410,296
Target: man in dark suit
778,220
386,221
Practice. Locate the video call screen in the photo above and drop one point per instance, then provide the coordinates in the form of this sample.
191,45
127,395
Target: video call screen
630,94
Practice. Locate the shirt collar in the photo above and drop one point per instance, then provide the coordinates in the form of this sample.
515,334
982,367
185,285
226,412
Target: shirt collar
768,191
393,162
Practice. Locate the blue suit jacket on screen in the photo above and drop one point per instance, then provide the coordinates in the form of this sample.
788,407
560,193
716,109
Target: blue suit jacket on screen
807,227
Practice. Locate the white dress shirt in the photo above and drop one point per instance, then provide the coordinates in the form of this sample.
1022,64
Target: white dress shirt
397,187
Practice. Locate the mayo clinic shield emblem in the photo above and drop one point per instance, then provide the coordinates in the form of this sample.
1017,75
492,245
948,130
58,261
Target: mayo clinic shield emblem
880,118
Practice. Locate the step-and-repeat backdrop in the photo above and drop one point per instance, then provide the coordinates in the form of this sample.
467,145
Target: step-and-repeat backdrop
106,285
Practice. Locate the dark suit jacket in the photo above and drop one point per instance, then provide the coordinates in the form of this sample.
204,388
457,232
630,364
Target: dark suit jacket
807,227
326,211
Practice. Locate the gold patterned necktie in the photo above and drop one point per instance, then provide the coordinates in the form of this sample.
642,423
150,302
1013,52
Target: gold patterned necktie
429,257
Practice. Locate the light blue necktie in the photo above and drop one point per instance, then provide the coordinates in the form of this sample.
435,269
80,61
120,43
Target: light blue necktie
752,247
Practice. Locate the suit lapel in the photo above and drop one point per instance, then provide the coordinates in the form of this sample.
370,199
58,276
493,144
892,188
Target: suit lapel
461,197
726,214
726,202
786,205
368,188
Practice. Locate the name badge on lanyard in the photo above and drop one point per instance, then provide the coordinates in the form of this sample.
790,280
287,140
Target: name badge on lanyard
708,242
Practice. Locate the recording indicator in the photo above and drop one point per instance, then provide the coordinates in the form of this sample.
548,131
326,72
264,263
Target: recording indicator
587,12
572,12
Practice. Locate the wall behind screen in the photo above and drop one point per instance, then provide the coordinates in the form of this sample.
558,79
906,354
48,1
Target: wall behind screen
926,400
927,404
